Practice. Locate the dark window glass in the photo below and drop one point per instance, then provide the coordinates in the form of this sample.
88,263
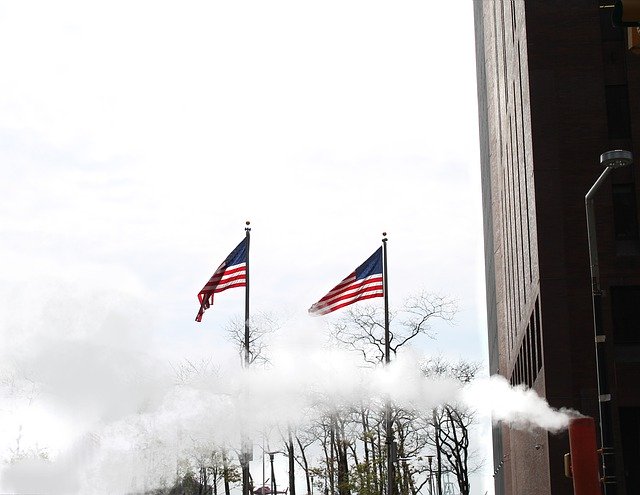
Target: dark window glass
608,30
618,119
531,354
625,303
527,358
630,434
538,335
532,343
625,217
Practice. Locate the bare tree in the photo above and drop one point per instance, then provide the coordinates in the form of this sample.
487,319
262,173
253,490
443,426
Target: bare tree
291,455
305,439
222,472
451,422
22,390
203,463
367,478
189,372
412,438
333,437
209,466
362,329
261,327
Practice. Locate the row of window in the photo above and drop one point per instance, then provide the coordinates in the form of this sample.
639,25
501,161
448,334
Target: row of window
515,198
529,361
619,128
625,309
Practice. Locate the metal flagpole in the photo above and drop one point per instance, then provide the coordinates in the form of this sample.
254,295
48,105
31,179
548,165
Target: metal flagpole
246,444
387,359
247,230
438,452
385,287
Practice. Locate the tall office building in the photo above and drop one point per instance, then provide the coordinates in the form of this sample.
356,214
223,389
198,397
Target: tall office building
558,85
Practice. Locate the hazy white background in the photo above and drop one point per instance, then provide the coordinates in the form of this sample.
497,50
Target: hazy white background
137,137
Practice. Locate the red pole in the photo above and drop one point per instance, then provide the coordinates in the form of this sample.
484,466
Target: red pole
584,457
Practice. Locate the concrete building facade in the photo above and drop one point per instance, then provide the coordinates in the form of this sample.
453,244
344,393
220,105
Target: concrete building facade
558,85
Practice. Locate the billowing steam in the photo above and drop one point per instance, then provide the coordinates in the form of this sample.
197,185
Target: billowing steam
519,407
87,410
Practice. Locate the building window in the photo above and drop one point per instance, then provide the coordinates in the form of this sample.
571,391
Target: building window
625,302
538,332
630,429
618,118
609,32
625,217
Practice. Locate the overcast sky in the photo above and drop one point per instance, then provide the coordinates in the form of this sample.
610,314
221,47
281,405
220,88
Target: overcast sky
137,137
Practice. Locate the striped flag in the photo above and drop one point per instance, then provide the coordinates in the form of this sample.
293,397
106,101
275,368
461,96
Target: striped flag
364,283
230,274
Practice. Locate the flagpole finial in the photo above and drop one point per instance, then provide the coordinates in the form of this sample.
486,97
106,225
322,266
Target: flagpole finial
247,228
384,236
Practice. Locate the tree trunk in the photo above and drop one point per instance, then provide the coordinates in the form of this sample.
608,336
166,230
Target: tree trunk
214,480
292,473
305,463
460,442
343,462
225,473
403,472
374,461
339,453
328,455
365,441
331,469
438,453
381,458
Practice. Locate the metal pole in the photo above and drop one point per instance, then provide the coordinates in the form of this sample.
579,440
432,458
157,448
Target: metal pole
611,159
604,394
438,454
387,360
246,444
274,487
247,230
385,289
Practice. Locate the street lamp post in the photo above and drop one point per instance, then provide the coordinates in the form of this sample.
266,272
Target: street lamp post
611,160
430,459
273,488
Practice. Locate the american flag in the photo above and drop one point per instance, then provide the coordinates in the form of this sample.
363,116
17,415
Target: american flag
364,283
230,274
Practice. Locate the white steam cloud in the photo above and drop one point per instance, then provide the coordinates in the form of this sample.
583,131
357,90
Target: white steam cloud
87,410
519,407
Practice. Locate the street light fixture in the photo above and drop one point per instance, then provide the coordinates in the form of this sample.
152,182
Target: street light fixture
430,459
273,488
611,160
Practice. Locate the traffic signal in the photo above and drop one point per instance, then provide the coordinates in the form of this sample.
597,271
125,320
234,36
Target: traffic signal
626,13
